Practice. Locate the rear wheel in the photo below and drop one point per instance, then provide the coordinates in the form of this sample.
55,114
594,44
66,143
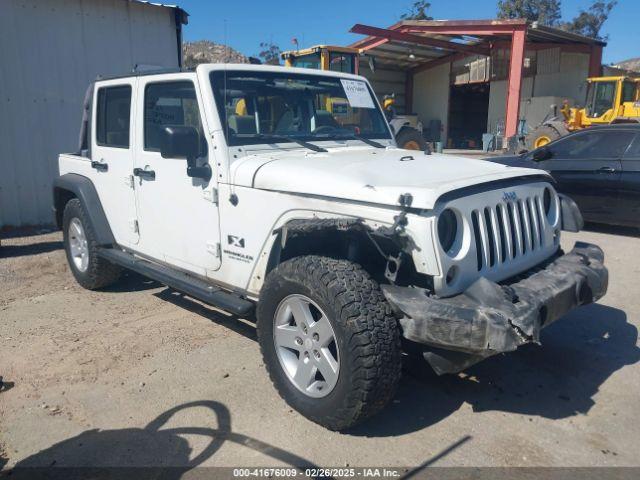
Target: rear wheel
541,136
411,139
329,340
81,247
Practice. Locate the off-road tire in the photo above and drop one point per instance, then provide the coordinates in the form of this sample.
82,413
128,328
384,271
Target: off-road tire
410,138
100,273
541,131
366,332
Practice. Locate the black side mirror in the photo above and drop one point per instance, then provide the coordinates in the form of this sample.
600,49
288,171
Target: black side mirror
179,142
541,154
184,142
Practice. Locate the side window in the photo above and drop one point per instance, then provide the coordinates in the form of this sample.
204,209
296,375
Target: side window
628,92
602,144
341,62
112,115
174,104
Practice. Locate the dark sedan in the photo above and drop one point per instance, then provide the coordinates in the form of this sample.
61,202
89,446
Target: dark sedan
598,167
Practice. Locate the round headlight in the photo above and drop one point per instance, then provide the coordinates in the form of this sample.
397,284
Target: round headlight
447,229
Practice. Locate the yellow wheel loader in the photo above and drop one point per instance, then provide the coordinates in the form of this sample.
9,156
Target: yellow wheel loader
609,100
406,128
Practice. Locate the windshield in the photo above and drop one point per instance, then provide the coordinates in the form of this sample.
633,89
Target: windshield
600,98
268,107
311,60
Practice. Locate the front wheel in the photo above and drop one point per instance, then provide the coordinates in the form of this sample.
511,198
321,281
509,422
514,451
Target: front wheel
541,136
329,340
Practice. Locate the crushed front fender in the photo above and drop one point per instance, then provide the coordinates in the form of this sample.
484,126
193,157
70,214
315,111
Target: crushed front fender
490,318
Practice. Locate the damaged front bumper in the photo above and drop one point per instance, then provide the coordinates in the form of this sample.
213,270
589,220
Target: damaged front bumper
490,318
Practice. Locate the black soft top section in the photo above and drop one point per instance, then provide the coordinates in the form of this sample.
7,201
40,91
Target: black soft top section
84,141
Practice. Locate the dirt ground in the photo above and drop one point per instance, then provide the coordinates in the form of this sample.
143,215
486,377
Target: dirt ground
140,375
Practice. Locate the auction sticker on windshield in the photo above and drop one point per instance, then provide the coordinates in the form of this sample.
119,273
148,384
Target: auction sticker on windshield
357,94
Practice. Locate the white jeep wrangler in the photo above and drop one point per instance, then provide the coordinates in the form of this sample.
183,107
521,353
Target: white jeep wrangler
236,185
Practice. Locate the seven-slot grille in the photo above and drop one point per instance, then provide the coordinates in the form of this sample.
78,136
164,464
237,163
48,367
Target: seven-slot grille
508,230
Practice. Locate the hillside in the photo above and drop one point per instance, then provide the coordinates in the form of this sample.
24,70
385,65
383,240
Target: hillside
632,64
204,51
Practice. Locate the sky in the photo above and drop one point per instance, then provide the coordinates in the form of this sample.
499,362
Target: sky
244,24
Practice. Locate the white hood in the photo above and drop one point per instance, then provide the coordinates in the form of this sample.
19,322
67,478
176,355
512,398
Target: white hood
368,174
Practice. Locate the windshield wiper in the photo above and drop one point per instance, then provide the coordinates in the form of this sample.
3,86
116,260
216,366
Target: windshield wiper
368,141
286,138
353,136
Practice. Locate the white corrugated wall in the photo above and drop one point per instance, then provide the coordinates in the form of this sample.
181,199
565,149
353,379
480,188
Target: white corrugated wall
49,52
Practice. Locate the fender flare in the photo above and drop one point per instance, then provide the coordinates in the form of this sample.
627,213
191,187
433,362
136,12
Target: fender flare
296,222
84,190
299,223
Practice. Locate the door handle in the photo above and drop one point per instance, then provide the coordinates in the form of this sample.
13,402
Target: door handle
144,174
99,166
606,170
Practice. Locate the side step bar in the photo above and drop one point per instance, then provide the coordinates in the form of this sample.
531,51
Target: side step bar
179,281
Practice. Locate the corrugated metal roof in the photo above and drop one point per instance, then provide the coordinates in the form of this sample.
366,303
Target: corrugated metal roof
408,51
166,5
544,33
157,4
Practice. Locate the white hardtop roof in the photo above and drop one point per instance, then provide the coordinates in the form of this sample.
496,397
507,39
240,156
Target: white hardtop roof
246,67
211,67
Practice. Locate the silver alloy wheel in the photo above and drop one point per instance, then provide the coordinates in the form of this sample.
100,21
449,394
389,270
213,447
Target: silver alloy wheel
78,245
306,346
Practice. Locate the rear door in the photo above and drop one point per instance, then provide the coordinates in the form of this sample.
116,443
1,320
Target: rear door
178,215
112,156
629,193
587,167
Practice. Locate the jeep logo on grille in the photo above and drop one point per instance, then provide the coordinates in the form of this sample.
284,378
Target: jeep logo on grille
509,196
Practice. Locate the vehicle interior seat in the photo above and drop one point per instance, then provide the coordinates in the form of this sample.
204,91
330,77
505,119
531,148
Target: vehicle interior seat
242,124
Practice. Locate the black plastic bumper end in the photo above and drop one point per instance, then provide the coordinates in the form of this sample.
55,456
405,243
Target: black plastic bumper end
490,318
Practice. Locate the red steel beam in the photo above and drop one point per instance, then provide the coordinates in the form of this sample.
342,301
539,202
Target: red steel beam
462,27
595,61
417,39
408,93
474,31
515,82
509,22
369,43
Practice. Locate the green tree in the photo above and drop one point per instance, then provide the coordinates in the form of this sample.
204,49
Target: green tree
589,22
545,12
418,12
269,53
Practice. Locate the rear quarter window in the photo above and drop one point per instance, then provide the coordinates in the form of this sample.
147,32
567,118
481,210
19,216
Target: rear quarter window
113,116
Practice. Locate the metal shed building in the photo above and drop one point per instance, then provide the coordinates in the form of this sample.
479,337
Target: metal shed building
477,76
50,52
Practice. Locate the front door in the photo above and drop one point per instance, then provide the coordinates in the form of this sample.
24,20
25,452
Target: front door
112,156
629,207
178,215
587,168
